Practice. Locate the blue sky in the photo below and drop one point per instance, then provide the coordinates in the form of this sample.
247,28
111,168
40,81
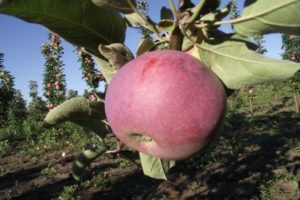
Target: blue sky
21,42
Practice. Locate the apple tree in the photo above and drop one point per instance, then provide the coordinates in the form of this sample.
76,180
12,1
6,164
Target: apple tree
99,28
291,46
54,78
7,91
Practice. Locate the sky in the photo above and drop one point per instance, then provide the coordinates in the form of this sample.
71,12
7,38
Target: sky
21,44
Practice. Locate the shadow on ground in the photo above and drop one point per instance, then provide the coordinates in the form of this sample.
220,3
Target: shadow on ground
260,159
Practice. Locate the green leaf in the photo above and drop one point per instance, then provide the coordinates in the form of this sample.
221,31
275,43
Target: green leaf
80,21
145,45
237,65
166,25
155,167
118,5
117,54
85,159
217,15
166,13
261,17
106,69
135,20
83,112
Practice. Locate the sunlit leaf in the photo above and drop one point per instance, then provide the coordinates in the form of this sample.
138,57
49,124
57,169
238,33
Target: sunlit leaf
83,112
237,65
79,21
106,68
166,25
262,16
155,167
145,45
135,20
117,54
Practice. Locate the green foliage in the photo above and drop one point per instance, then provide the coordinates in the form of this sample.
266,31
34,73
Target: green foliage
6,90
17,110
291,47
238,65
81,22
119,5
49,170
155,167
83,112
71,94
5,147
37,106
262,17
91,75
69,193
54,78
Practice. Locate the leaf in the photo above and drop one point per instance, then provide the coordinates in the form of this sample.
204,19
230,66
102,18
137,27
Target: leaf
135,20
166,25
217,15
155,167
118,5
80,21
210,6
106,69
237,65
185,4
117,54
262,17
166,13
83,112
85,159
145,45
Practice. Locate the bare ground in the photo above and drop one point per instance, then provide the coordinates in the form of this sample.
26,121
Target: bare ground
258,160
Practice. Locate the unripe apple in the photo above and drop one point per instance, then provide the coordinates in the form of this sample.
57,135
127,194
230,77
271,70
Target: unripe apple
166,104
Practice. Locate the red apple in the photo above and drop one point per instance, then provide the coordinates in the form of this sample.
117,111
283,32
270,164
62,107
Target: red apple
166,104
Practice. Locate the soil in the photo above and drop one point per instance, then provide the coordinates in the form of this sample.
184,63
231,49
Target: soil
248,162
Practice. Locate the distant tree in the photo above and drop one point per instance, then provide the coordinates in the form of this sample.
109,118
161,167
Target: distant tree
259,41
91,74
37,106
234,12
54,78
17,110
6,91
71,94
291,47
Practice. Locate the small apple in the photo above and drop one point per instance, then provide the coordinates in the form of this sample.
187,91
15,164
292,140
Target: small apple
166,104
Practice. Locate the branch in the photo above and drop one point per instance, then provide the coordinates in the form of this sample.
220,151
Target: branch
197,11
149,25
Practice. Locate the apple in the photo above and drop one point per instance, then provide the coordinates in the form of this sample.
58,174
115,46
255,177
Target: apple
166,104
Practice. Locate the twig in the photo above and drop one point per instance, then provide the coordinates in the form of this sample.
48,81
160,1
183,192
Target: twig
173,8
197,11
150,26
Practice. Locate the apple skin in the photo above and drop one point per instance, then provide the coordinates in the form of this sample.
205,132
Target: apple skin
166,104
